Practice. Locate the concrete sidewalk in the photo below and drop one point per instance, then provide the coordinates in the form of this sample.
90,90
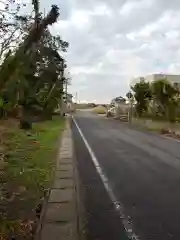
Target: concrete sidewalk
60,221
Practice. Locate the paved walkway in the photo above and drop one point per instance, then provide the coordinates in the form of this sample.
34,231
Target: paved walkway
60,219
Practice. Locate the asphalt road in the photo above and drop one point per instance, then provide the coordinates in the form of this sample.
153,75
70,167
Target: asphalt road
143,170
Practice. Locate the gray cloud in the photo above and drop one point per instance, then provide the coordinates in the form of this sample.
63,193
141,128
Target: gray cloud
114,4
90,4
65,7
112,41
100,87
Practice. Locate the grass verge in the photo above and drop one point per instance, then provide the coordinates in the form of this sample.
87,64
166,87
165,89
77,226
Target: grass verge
27,161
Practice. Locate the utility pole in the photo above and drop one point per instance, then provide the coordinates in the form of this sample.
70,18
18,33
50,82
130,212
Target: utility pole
66,92
44,12
130,108
62,94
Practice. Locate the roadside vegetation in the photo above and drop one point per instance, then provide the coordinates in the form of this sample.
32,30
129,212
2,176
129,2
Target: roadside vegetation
26,169
32,79
158,103
32,69
158,100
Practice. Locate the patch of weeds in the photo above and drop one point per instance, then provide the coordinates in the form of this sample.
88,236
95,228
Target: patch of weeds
26,173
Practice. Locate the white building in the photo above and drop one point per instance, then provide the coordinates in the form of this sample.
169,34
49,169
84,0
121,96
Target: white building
173,79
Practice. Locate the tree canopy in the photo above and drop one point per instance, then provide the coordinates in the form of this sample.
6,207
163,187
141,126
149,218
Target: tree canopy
142,95
162,95
32,67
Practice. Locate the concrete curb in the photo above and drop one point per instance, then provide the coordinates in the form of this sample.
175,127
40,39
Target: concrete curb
60,220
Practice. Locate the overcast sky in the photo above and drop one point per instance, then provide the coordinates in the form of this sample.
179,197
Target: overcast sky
113,41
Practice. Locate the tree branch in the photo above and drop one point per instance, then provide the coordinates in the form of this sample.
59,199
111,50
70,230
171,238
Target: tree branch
7,70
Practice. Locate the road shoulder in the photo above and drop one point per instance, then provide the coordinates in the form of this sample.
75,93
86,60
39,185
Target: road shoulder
60,217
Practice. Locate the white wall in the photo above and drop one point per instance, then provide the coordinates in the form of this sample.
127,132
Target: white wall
170,78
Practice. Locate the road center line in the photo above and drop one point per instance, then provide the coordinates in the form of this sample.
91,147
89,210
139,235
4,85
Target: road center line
118,206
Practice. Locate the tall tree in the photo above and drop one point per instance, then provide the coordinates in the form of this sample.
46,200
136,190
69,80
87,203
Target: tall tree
142,95
47,67
35,33
165,95
32,76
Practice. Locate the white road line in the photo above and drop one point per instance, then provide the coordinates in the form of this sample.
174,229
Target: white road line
118,206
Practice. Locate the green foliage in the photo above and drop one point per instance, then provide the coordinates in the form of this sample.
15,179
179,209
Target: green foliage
142,95
161,97
164,95
27,173
32,76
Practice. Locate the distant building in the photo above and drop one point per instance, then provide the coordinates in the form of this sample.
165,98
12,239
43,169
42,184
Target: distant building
173,79
119,103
